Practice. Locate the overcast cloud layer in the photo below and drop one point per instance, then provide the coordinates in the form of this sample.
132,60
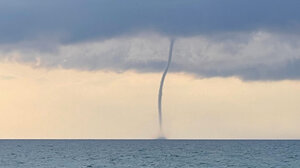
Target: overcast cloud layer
77,20
251,56
254,40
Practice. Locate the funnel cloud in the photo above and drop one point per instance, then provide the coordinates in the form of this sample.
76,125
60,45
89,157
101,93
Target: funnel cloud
161,87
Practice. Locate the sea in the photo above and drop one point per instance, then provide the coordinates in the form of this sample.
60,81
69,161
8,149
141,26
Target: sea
149,153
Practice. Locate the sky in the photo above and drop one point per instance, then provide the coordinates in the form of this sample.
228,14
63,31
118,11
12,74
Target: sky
91,69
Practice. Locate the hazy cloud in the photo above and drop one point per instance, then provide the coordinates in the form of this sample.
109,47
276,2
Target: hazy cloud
7,77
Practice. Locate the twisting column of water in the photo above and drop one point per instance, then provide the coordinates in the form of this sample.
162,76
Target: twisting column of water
161,88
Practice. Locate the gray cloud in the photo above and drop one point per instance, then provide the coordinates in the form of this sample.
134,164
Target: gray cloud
258,55
253,40
76,20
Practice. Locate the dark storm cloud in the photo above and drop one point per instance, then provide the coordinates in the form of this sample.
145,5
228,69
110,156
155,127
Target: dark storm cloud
250,39
77,20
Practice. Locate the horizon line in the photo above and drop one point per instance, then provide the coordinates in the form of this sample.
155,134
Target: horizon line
166,139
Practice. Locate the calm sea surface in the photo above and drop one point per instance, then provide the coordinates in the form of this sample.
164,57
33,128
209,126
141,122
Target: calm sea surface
149,153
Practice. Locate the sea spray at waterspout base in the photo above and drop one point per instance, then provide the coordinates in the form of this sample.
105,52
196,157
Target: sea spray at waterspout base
161,135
